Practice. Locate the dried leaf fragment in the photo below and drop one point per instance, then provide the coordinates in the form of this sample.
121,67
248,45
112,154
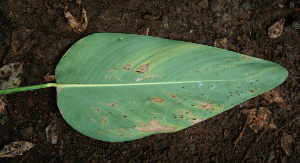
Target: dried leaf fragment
276,29
275,95
52,131
15,148
287,143
143,31
49,77
223,43
10,75
259,119
2,107
249,111
3,112
78,26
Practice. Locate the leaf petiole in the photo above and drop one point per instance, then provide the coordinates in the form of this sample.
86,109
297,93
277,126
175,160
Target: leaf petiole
27,88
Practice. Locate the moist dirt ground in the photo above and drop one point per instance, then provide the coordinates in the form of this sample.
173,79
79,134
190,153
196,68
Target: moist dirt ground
37,34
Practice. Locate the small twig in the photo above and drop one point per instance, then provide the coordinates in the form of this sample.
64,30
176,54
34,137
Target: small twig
254,144
25,157
287,124
146,32
241,134
294,77
260,136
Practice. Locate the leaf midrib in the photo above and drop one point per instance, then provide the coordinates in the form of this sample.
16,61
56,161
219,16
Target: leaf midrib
132,84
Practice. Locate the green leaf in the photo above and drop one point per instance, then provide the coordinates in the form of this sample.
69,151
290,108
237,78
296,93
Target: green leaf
120,87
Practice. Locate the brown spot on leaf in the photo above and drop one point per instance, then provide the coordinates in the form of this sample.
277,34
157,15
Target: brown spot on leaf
180,115
112,77
142,69
96,109
172,95
104,120
148,76
127,67
113,104
154,126
61,112
206,105
247,58
196,120
93,120
188,112
251,91
158,99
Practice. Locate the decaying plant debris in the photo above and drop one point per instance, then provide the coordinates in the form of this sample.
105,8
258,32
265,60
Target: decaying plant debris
15,148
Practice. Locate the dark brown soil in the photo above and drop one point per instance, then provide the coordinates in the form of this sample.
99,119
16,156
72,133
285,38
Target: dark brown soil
37,33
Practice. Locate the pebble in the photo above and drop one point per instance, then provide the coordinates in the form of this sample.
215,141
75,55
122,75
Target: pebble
203,4
296,25
278,50
291,4
246,5
216,5
280,5
226,17
226,133
217,14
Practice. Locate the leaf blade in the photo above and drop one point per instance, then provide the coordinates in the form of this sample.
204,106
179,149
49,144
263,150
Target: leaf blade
130,86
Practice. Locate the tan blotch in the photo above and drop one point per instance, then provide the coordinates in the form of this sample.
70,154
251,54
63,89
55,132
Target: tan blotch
154,126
